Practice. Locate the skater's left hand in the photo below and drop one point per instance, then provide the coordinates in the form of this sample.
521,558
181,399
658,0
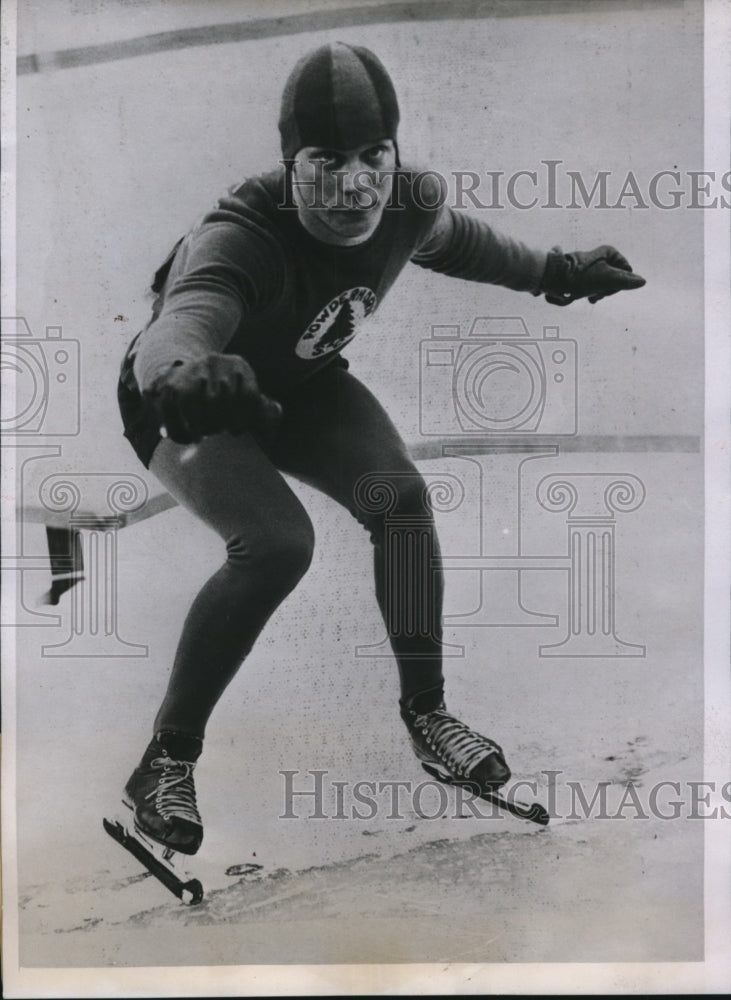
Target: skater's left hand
592,274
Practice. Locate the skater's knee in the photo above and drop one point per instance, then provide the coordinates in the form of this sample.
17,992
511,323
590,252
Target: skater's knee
279,555
393,497
413,498
288,556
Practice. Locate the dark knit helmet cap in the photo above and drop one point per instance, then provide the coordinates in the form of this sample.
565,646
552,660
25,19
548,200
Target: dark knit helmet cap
339,97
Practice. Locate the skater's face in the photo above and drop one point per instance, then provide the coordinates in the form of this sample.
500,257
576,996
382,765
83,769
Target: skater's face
340,194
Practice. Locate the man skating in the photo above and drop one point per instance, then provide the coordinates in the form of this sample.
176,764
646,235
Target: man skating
239,378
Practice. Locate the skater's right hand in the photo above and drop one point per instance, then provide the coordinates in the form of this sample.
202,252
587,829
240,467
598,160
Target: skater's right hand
216,393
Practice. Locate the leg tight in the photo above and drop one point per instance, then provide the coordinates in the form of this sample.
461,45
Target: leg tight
336,437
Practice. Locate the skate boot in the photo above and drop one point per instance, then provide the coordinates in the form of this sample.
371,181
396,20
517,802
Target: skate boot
450,750
162,794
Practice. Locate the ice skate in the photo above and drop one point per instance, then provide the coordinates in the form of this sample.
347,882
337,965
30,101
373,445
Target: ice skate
450,747
453,753
163,825
161,792
162,862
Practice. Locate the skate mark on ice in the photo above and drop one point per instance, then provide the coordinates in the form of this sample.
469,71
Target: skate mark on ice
636,759
88,924
245,870
397,886
371,885
74,886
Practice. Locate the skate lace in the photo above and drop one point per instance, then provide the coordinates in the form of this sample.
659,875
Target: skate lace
175,791
456,744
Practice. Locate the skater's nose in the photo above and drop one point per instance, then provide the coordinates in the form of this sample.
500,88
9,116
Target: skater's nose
352,169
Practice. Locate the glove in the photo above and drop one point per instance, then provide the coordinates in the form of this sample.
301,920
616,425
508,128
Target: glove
209,395
593,274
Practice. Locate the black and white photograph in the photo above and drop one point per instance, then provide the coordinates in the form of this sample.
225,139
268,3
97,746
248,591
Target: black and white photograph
365,449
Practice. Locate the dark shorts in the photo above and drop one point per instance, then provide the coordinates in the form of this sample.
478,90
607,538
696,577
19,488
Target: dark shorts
141,428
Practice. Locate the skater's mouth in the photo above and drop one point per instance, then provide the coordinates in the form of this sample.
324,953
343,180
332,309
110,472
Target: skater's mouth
352,219
352,211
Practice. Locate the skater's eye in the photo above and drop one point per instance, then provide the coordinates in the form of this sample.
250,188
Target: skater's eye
327,158
376,155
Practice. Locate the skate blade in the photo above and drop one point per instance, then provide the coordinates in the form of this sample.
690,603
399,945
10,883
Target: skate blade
161,862
534,812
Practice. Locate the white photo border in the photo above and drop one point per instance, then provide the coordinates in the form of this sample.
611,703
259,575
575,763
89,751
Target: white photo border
712,975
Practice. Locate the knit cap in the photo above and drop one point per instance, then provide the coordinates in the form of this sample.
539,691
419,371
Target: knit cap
339,97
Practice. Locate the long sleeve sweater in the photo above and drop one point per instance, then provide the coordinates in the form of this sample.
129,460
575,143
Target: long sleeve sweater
249,279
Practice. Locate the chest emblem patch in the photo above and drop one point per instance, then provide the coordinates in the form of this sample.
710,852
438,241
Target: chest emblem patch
337,323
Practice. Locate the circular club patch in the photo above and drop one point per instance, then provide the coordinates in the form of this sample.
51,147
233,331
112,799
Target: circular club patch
337,323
